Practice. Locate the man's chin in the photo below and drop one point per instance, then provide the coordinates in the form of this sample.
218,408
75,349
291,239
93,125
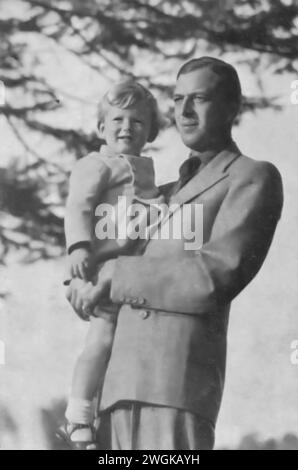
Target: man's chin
192,142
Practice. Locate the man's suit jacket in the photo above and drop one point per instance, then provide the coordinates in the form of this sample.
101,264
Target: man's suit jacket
170,341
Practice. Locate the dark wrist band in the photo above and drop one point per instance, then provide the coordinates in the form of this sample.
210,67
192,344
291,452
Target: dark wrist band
78,245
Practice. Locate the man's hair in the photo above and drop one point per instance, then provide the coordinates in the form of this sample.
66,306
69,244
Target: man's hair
127,93
229,78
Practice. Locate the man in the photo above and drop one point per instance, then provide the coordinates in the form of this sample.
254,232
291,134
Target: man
165,377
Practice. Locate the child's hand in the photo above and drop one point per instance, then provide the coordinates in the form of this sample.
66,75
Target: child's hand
80,263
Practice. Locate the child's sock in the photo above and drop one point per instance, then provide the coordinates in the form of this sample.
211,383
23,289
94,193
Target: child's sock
79,410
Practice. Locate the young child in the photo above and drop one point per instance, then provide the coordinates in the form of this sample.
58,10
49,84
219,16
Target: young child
128,118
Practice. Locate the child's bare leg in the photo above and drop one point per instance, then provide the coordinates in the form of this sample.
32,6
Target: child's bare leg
92,363
89,373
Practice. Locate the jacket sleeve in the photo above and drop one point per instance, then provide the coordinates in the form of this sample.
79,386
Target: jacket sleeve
88,180
212,276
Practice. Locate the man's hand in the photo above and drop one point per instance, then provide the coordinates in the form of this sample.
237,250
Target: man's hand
76,293
84,296
101,290
80,263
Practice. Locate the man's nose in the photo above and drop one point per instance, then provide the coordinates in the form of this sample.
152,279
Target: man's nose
187,107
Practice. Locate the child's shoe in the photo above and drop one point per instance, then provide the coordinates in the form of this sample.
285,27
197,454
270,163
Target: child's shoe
77,436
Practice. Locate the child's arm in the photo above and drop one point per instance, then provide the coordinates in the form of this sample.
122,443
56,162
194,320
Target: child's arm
88,180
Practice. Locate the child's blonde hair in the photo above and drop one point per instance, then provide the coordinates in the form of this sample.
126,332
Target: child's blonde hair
125,94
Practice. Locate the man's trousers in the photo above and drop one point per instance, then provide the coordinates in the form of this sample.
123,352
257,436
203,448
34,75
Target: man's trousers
141,426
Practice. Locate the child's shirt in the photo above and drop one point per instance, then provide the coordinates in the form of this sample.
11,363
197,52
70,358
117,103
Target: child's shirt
99,179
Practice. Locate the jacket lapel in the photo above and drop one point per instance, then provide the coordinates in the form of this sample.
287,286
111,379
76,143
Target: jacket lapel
211,174
215,171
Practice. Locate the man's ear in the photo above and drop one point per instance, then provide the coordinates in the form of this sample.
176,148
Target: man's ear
233,111
236,109
101,130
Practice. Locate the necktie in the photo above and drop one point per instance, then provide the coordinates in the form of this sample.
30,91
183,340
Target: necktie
187,170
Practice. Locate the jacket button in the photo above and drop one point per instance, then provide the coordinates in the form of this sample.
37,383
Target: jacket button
144,314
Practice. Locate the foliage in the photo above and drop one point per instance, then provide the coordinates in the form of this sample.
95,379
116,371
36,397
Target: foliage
146,39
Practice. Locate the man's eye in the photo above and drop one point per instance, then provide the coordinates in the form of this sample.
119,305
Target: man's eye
117,119
201,99
177,99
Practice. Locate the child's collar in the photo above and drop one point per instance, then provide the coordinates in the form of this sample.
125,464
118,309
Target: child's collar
105,152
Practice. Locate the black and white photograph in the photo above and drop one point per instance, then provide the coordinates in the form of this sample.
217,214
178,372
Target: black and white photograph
148,220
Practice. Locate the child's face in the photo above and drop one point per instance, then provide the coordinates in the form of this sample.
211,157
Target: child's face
126,130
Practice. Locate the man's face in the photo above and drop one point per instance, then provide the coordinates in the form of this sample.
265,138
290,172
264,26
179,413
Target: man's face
203,116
